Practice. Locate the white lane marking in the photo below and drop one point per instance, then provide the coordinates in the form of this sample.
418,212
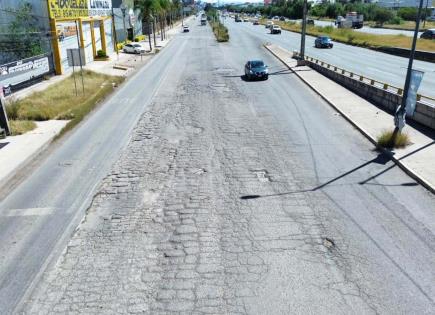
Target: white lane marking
27,212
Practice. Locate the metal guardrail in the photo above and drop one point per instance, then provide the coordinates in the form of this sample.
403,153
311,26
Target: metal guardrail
379,84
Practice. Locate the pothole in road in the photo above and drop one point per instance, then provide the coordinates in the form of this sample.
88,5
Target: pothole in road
223,71
218,85
222,87
198,171
262,175
66,163
328,243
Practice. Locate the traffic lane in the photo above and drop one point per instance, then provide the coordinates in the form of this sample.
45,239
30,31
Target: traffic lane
382,218
50,203
376,65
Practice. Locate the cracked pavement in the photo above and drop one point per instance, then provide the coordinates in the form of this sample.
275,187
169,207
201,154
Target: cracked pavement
228,199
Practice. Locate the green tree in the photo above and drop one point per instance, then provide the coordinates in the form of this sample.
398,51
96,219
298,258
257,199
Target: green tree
382,15
23,32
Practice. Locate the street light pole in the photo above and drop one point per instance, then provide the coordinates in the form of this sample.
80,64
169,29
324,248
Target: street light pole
399,119
304,28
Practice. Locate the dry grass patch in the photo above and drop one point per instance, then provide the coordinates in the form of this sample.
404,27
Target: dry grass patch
19,127
385,139
410,25
349,36
59,101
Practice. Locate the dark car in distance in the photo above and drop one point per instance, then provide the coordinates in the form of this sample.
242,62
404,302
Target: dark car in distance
429,34
256,69
323,42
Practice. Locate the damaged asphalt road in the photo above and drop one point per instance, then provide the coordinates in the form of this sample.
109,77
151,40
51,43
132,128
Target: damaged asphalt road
237,197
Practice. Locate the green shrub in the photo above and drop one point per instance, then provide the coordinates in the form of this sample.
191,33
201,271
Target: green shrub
397,20
328,29
101,54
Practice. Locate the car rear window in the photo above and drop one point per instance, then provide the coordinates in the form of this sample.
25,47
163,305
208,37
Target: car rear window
256,64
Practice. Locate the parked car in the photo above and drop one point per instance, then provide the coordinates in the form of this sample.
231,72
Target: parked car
133,48
429,34
282,18
310,22
275,29
185,29
256,69
245,19
276,18
256,22
323,42
269,24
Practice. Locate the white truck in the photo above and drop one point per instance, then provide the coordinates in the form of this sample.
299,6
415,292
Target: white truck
352,20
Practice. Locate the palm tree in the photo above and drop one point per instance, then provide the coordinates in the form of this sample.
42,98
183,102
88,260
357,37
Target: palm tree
147,8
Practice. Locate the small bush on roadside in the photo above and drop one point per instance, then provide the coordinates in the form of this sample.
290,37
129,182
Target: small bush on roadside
12,108
351,37
397,20
19,127
101,54
220,31
385,139
139,38
328,29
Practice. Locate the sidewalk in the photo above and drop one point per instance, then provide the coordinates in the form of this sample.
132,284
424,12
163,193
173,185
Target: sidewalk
16,151
121,64
417,159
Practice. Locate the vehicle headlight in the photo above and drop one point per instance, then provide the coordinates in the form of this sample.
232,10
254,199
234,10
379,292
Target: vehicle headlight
266,71
250,71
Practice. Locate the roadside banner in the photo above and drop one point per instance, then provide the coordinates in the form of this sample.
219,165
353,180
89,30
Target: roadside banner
61,9
100,7
416,77
18,73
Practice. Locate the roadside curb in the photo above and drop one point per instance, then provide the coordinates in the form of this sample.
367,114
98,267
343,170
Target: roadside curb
397,161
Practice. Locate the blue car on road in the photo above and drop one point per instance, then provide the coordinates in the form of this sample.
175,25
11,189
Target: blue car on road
323,42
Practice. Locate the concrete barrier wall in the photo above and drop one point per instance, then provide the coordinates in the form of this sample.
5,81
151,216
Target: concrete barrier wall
419,54
424,113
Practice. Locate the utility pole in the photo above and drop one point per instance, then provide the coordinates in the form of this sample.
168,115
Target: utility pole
123,9
80,56
425,14
304,29
399,119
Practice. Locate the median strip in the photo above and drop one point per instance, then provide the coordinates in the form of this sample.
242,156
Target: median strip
392,44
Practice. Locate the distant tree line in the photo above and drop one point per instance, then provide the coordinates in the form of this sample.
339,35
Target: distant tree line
293,9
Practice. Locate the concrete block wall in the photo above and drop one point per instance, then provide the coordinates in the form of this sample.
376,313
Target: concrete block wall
388,100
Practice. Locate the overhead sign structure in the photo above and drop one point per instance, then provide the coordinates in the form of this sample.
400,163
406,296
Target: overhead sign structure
416,77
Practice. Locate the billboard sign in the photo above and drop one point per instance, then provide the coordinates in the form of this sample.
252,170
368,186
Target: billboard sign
414,84
62,9
66,9
19,72
100,7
